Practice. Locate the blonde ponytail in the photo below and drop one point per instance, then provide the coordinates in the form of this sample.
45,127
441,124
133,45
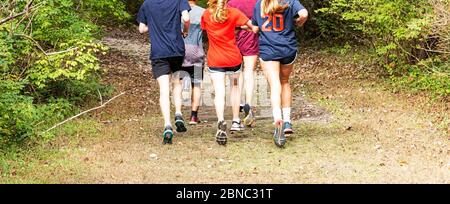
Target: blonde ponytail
272,6
219,10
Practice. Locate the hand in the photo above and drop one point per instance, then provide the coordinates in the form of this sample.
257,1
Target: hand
246,28
301,17
298,22
185,34
255,29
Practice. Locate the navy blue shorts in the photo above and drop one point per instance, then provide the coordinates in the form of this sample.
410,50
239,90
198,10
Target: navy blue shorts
285,61
227,70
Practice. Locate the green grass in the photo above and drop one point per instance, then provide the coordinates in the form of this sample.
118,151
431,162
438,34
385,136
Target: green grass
48,161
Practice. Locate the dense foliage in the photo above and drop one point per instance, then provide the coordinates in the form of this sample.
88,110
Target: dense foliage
411,39
48,60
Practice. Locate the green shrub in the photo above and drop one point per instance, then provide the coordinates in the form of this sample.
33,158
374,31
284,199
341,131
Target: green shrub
391,26
48,62
409,38
432,76
20,118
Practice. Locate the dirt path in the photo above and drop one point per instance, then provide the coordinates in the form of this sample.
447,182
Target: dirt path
349,130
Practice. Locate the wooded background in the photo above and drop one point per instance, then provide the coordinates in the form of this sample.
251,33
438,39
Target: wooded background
49,50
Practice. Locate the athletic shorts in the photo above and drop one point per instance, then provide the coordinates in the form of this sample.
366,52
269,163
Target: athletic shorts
194,72
226,70
248,43
285,61
166,66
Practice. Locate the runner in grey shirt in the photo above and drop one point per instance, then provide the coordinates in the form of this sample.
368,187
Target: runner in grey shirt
194,62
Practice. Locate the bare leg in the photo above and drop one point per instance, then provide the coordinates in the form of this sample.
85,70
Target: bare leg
196,95
164,98
286,97
286,92
272,72
235,95
249,77
177,89
218,81
241,82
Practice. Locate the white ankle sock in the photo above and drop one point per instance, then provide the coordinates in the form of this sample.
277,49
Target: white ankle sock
287,114
277,114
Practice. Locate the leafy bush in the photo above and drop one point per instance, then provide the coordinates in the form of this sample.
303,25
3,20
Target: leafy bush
409,38
389,25
20,117
432,75
48,61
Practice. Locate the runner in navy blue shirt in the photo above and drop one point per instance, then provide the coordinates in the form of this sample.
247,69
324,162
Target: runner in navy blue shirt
278,47
162,19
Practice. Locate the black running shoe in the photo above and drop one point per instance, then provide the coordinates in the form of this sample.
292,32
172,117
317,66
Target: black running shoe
246,108
179,123
278,136
168,135
241,108
287,128
221,135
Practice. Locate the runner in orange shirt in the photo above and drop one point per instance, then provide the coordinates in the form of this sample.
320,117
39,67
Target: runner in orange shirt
224,57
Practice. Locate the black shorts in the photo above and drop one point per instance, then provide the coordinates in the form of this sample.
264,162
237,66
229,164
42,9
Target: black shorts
227,70
166,66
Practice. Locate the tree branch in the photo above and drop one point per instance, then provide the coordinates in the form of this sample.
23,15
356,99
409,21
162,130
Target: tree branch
42,49
34,41
60,52
82,113
27,9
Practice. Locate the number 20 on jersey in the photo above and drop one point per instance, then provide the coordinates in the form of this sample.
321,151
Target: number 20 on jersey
273,22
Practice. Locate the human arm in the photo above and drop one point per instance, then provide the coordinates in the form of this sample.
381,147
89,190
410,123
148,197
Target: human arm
186,22
142,20
302,17
250,27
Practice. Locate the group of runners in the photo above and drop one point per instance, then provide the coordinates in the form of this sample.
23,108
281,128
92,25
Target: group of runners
238,33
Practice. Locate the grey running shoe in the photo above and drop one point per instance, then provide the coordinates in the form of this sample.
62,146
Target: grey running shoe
249,120
221,135
287,128
278,135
